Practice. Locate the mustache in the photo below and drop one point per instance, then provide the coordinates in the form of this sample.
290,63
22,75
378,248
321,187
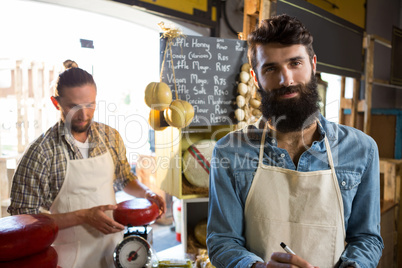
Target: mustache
285,90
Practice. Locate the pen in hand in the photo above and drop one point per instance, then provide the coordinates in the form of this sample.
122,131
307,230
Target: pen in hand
287,249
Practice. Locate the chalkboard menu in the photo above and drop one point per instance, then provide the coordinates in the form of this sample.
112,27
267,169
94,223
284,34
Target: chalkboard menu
206,71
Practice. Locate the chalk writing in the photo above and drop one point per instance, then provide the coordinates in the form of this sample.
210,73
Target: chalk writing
206,70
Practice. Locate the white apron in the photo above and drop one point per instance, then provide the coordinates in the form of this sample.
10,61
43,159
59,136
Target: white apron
302,209
88,183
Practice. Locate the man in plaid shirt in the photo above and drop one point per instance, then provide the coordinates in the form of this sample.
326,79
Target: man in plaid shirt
73,171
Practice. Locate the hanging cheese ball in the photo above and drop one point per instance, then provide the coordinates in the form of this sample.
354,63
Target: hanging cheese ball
255,103
179,114
242,89
246,67
244,77
239,113
155,119
158,96
240,101
256,113
241,124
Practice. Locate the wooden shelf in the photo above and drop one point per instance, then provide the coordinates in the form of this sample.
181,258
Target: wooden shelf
193,211
170,144
384,83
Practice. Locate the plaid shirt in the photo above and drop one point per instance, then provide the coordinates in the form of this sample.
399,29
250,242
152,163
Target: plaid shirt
41,171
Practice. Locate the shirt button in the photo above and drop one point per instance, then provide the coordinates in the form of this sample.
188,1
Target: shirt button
273,141
282,155
343,183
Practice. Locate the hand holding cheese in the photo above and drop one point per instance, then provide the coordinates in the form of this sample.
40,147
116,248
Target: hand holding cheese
97,218
158,200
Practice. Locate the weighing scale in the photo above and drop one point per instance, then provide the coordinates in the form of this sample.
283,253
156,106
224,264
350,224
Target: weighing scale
135,250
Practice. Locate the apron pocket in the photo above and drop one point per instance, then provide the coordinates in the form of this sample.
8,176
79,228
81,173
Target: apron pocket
314,243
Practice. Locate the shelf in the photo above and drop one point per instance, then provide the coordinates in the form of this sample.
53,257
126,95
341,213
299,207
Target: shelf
170,144
384,83
193,212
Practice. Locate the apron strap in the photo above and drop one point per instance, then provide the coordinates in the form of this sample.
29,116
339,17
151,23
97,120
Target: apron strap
262,145
329,154
335,181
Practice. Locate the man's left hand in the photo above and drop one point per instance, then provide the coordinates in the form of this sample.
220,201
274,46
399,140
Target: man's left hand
151,196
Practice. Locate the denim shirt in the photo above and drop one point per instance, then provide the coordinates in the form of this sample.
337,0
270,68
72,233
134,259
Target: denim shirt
235,161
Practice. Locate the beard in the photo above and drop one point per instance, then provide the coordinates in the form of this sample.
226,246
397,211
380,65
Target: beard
73,125
80,129
295,114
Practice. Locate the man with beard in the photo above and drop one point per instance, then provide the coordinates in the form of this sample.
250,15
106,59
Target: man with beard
293,177
72,171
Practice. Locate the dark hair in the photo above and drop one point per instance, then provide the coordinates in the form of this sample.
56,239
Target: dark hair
73,77
281,29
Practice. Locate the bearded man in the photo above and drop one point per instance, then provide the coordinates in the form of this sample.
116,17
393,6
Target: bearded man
293,177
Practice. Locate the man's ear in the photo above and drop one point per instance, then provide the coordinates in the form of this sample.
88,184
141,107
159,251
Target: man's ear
55,102
254,77
314,63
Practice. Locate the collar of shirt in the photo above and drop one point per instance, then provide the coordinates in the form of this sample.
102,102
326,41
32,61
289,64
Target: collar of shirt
254,131
93,139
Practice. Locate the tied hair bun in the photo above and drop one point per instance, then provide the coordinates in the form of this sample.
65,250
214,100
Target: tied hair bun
68,64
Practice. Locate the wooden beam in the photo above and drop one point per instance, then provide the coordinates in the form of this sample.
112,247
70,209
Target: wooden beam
37,88
255,11
355,100
343,102
251,8
381,40
369,73
360,105
346,103
18,94
265,10
389,171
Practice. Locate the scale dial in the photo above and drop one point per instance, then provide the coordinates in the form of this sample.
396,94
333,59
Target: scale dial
134,251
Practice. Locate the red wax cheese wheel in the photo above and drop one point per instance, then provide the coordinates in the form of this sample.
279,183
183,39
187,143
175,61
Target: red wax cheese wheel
24,235
44,259
136,212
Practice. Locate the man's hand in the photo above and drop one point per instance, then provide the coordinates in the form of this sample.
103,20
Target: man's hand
97,218
278,259
158,200
137,189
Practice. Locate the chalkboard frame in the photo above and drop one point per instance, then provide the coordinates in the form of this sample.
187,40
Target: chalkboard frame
206,71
